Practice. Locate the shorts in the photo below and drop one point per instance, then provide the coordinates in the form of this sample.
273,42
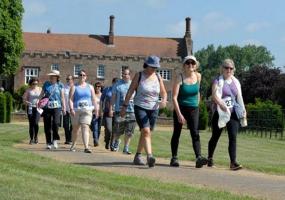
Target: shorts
82,117
124,125
145,118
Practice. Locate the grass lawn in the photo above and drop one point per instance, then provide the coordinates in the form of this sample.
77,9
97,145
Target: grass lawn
255,153
24,175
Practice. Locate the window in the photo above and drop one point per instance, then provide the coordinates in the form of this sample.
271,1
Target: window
77,68
31,72
54,67
101,71
165,74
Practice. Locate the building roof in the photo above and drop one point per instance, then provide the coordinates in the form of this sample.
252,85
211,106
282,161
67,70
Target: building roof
97,44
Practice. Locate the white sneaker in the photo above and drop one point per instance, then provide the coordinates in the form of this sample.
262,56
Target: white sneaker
48,146
55,145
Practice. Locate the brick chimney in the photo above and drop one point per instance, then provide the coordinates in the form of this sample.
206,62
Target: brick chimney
187,37
188,27
111,32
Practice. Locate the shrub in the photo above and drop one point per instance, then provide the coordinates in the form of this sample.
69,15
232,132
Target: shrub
265,114
9,106
165,111
203,116
2,108
18,100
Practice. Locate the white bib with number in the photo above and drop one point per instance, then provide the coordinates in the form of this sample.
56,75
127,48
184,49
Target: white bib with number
83,105
53,104
229,102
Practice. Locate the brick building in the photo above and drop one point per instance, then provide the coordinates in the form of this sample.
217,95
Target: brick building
102,56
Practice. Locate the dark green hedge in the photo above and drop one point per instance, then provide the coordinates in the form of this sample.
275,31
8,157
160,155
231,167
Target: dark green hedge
9,106
3,107
204,116
265,114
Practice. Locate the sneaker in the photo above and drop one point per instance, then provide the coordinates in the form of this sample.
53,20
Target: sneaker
48,146
96,143
72,149
235,166
151,161
138,160
36,141
31,142
55,145
200,161
127,152
106,145
174,162
116,145
210,162
87,151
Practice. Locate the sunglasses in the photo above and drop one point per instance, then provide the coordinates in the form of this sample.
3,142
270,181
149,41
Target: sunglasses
97,86
68,79
82,74
34,83
192,62
230,68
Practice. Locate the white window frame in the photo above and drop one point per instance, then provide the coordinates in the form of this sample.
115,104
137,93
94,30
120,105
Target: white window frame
76,69
165,74
31,72
54,66
101,71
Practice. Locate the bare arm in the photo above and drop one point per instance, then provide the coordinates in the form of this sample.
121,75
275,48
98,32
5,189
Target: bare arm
96,110
216,99
63,101
163,93
71,97
25,97
131,90
175,90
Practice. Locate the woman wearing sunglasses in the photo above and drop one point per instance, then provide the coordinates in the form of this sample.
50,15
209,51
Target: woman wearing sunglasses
186,99
82,102
30,97
226,95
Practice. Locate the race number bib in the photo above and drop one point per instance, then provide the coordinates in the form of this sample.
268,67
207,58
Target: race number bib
83,104
229,102
53,104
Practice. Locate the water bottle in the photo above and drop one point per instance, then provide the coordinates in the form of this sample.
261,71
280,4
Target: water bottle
30,110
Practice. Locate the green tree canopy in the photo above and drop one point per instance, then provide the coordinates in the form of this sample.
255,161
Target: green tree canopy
245,58
11,39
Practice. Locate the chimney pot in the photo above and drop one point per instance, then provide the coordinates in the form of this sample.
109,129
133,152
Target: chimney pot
188,24
111,31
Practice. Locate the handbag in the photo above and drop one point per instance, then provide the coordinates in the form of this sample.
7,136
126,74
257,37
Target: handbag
44,100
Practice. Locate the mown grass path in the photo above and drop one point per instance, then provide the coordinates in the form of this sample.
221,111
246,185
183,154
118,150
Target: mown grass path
243,182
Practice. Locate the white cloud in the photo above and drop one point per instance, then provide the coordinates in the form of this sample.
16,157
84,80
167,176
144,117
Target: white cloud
216,22
252,42
256,26
178,29
34,8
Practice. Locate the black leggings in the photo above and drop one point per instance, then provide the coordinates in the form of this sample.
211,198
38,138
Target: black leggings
232,128
34,118
191,115
51,124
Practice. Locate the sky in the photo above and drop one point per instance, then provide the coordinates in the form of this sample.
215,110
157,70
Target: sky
218,22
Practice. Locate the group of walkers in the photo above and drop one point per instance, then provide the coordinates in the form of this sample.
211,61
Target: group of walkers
127,102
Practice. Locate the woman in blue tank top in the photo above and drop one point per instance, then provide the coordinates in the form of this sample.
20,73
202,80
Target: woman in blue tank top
82,103
186,109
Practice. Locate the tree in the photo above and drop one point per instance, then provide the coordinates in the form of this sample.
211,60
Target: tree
11,39
260,82
244,57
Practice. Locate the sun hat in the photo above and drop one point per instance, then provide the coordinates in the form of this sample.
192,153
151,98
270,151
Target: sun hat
190,58
54,73
152,61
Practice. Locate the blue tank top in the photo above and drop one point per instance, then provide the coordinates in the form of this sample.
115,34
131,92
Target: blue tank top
82,99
